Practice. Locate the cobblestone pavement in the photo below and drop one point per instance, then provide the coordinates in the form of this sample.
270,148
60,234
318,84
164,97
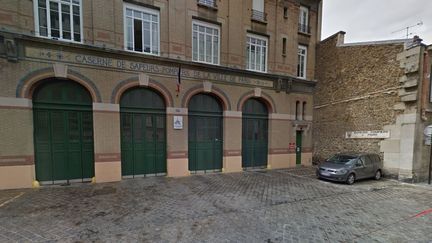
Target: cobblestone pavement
261,206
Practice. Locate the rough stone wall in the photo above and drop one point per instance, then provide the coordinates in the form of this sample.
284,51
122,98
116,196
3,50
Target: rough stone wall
357,90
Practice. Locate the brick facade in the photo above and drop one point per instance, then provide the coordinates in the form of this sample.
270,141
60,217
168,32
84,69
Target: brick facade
102,66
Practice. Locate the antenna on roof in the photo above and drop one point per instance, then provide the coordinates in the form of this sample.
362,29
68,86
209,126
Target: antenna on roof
407,29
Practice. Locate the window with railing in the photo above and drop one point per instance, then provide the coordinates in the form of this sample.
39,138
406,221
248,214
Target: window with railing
260,16
210,3
258,11
303,26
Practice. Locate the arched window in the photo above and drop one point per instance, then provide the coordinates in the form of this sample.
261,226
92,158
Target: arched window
297,110
304,110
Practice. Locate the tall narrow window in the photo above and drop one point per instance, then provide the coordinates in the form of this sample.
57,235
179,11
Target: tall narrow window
297,110
304,20
256,53
58,19
304,110
284,40
205,42
285,12
302,62
141,29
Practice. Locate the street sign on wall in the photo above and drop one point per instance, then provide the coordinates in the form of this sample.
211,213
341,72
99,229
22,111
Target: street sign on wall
368,134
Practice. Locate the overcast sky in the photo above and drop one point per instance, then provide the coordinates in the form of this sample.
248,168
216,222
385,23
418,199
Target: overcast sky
371,20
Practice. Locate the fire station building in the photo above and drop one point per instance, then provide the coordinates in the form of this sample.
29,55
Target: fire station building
105,90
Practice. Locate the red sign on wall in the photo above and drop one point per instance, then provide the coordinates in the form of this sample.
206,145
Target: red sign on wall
291,146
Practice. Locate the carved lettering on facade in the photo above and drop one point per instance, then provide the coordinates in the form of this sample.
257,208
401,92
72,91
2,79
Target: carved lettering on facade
107,62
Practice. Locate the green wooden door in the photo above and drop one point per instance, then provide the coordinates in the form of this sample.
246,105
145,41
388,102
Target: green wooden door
298,146
63,132
205,133
143,133
254,134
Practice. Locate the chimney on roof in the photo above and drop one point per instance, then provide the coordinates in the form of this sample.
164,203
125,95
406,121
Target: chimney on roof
416,41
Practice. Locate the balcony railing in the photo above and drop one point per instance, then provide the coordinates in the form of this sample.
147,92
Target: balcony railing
209,3
259,16
302,28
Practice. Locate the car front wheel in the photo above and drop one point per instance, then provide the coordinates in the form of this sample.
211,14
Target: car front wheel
378,175
350,179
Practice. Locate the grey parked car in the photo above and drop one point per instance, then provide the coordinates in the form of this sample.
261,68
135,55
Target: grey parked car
349,167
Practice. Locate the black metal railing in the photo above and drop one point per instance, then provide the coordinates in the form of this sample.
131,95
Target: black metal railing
258,15
302,28
210,3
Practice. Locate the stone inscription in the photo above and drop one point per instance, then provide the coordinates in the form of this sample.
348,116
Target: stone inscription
90,60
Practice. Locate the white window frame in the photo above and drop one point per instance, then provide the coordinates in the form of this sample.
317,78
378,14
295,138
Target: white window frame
207,25
304,20
59,2
303,70
248,62
146,10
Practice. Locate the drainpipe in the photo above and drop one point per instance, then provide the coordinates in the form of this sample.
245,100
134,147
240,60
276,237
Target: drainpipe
430,165
429,72
430,160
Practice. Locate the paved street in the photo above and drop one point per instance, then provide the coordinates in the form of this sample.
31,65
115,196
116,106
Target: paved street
263,206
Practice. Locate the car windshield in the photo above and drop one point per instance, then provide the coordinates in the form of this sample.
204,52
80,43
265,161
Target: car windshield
341,159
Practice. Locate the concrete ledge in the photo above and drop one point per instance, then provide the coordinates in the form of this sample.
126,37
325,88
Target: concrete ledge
14,177
306,159
232,164
176,111
178,167
232,114
10,102
108,171
281,161
279,116
106,107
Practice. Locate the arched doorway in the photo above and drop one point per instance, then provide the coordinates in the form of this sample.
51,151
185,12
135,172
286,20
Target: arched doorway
143,133
254,134
205,115
63,132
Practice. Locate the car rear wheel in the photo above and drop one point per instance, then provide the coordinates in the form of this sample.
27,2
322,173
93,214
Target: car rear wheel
350,179
378,175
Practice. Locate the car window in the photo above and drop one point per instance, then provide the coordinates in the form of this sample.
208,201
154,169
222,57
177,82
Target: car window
367,161
341,159
359,161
